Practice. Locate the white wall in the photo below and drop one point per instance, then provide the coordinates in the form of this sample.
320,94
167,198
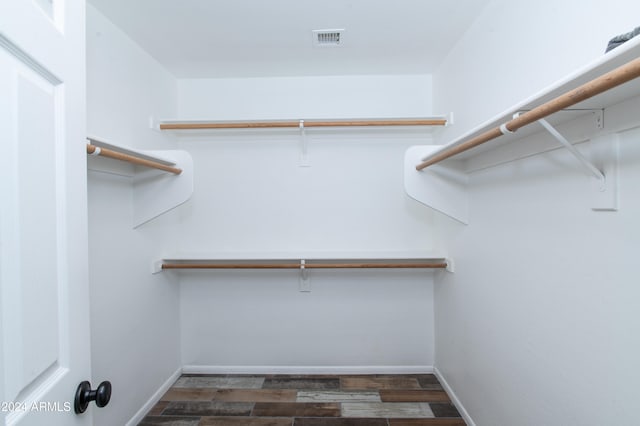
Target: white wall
539,323
351,321
515,49
330,97
252,195
253,198
134,315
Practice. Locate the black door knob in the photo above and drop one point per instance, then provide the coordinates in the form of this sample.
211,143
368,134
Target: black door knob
84,395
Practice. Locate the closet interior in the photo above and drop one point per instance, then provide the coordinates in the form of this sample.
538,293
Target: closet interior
476,221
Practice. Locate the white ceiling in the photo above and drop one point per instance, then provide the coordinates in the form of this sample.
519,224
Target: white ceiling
264,38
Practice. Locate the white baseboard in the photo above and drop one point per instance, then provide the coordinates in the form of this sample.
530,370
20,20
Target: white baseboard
142,412
454,398
279,369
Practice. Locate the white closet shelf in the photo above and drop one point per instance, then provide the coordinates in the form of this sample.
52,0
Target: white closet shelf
208,125
164,181
310,261
591,108
143,155
592,104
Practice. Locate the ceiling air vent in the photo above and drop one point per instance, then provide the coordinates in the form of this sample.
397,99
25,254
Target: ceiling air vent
328,38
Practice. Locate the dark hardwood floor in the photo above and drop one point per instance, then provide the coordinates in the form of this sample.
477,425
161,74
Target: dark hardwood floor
305,400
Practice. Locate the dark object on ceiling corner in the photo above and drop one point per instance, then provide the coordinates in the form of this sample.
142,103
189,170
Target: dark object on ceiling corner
622,38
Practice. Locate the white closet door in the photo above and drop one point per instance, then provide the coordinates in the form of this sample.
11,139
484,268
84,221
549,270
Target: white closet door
44,330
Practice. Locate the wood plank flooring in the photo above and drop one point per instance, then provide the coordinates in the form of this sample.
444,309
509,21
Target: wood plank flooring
305,400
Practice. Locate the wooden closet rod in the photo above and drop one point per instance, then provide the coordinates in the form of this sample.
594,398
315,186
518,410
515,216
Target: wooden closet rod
105,152
616,77
357,265
280,124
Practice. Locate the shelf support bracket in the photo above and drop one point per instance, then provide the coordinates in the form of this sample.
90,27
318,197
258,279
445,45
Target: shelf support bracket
604,154
587,165
305,281
304,150
451,267
602,168
442,187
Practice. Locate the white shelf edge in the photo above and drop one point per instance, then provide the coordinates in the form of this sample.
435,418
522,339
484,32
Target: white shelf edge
442,187
284,120
157,193
605,63
316,255
154,192
145,154
156,265
413,130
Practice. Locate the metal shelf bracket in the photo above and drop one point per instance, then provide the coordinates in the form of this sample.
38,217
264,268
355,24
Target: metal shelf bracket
586,165
602,167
